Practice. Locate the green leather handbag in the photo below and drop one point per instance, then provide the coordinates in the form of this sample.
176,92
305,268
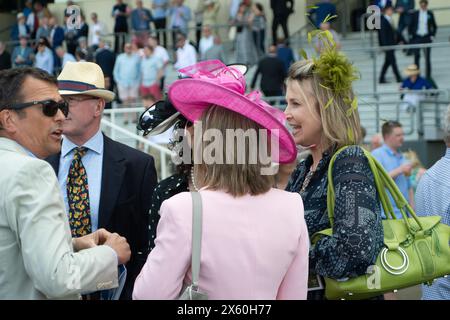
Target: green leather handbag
416,249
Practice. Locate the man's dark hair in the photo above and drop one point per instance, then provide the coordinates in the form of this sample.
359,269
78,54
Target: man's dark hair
389,126
11,82
387,7
180,35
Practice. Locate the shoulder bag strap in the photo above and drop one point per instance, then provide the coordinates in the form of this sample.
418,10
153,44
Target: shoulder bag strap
196,236
379,184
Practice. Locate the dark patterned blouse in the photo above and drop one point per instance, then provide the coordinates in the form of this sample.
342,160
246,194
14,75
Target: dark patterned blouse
358,232
164,190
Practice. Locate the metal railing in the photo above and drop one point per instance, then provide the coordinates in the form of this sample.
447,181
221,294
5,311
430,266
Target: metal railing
376,49
414,118
421,122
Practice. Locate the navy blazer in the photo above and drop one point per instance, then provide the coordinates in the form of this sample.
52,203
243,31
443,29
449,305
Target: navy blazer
58,37
432,26
128,180
105,58
387,35
280,7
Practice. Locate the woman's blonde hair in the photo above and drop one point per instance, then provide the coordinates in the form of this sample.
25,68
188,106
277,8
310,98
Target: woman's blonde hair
230,176
341,125
413,159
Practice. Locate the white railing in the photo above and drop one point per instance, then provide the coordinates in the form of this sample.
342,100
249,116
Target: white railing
164,152
120,110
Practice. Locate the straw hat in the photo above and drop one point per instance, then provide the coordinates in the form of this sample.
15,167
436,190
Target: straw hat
412,70
212,83
85,78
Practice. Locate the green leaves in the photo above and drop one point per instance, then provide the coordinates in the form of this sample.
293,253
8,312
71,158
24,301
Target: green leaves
327,34
328,18
310,8
335,71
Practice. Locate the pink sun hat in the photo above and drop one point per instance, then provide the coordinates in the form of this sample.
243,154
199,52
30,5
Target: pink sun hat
213,83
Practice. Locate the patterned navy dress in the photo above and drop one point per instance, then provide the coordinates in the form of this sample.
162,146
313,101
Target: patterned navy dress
165,189
358,232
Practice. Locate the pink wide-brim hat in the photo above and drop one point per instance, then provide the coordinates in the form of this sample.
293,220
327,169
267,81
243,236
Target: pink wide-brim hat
213,83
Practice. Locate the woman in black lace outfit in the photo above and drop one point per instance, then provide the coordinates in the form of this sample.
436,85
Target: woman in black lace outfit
324,120
158,118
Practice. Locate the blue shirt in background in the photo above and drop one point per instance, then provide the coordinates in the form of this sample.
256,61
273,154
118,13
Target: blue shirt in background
419,84
433,199
149,70
160,12
390,161
126,70
140,19
179,17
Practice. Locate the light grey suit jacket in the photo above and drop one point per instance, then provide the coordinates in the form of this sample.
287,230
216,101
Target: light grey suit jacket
37,260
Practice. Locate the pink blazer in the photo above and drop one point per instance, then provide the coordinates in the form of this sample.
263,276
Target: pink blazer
253,247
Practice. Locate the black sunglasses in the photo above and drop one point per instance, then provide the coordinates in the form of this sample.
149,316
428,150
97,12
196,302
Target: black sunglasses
49,107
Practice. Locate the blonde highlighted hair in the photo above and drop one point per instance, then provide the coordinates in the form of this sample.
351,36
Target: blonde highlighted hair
340,127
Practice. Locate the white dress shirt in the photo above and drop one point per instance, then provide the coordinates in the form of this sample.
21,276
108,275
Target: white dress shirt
162,54
422,29
95,32
204,45
186,56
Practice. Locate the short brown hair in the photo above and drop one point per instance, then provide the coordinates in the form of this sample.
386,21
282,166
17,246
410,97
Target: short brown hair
389,126
233,178
11,82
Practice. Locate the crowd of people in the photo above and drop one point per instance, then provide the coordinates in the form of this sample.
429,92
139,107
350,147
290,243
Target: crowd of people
414,27
46,44
84,216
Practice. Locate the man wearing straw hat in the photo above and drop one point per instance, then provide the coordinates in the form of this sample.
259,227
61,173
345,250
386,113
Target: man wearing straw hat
39,258
413,82
117,181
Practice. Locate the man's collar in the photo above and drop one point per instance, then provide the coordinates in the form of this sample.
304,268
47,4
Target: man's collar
389,150
95,144
10,144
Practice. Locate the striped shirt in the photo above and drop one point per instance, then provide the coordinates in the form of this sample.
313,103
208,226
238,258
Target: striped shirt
433,198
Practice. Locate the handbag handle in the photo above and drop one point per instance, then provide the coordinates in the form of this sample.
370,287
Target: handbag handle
197,211
382,182
398,197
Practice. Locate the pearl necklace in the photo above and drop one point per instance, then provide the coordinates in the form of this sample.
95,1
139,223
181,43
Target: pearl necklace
193,179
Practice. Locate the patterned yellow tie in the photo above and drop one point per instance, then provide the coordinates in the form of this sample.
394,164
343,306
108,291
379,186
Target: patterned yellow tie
78,196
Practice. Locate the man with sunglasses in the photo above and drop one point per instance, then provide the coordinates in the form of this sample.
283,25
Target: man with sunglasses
119,179
38,257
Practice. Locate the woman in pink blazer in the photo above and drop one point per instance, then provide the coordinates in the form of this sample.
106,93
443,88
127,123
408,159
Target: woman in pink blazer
254,240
